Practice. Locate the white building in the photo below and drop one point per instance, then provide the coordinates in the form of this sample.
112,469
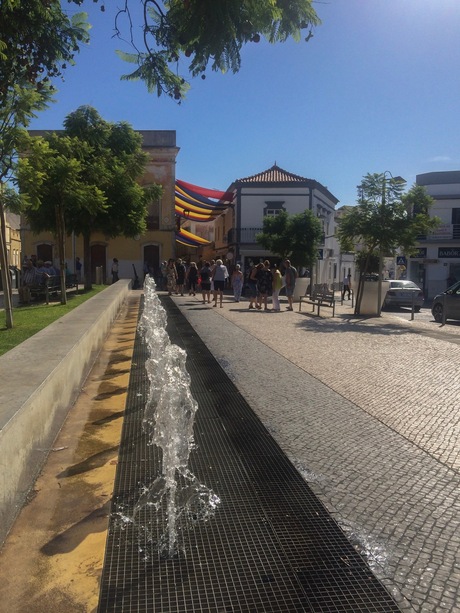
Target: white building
437,261
267,194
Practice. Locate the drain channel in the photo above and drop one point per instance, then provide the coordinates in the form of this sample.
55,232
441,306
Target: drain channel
271,546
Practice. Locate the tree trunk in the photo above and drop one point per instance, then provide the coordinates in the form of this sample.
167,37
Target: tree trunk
360,291
60,238
6,280
87,261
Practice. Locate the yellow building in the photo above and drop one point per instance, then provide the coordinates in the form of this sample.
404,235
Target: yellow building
155,245
13,239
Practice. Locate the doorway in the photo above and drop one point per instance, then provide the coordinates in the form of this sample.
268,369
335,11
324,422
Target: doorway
98,258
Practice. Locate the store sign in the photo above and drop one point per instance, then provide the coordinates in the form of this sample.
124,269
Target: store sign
420,253
449,252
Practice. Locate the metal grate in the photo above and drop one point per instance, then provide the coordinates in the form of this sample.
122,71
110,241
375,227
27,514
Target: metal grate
272,546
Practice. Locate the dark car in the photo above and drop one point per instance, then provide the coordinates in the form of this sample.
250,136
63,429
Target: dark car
447,305
403,293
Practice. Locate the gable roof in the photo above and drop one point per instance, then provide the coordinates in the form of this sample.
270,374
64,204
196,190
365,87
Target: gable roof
275,174
277,177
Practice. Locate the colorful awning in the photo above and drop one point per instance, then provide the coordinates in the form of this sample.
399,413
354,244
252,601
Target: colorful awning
196,203
208,193
190,240
200,204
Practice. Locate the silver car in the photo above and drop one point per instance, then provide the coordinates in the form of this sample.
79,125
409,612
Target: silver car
402,293
447,305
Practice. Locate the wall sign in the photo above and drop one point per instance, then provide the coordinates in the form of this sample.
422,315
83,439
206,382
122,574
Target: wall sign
448,252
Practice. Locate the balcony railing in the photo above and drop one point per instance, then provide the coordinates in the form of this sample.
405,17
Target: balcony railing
248,235
444,232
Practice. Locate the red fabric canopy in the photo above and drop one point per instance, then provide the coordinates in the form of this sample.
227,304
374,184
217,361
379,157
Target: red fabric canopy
208,193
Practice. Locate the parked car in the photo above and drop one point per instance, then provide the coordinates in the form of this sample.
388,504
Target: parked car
448,301
403,293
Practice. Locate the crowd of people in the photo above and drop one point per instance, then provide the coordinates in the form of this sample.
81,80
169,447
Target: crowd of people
210,278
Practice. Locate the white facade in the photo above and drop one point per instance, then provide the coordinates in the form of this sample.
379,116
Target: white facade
270,192
438,258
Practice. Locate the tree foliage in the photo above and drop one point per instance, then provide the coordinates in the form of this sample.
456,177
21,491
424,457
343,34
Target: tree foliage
385,220
84,180
36,40
202,32
293,237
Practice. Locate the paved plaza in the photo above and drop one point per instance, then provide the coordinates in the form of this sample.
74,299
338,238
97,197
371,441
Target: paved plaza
367,409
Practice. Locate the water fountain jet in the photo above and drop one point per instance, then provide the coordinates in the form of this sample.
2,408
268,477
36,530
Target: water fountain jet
168,421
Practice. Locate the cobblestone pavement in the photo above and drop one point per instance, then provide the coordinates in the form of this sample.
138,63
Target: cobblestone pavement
367,409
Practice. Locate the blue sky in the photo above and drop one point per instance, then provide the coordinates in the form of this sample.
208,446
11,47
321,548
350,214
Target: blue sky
377,88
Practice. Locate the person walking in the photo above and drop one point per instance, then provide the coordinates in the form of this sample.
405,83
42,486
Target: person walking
219,276
276,286
114,270
291,276
237,282
252,286
346,286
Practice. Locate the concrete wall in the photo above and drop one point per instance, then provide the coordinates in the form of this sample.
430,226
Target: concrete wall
39,380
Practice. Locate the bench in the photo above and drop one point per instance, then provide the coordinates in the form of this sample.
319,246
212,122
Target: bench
52,285
320,296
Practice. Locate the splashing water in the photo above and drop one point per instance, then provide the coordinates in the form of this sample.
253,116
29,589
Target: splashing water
168,420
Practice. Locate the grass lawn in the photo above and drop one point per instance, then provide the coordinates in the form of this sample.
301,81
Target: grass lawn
28,320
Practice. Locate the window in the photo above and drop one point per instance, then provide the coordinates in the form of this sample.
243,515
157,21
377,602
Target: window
273,208
456,223
153,217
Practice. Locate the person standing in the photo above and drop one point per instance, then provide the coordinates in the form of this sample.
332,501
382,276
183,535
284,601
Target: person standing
276,286
171,277
219,276
192,278
205,274
114,270
291,276
212,266
163,275
180,269
264,284
78,267
252,286
237,282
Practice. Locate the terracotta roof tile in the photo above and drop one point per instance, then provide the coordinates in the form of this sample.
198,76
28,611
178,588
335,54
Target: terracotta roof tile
275,174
